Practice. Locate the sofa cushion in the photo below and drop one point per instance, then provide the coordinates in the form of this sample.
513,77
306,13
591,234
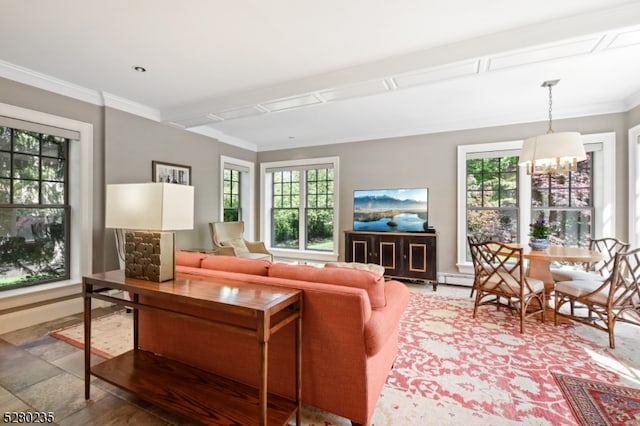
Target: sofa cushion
237,264
373,284
371,267
238,245
188,258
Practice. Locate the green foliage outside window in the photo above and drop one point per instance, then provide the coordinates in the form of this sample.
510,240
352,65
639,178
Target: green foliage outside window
492,198
565,201
231,195
33,208
317,187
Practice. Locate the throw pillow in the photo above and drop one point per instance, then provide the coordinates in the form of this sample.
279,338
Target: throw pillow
374,285
238,245
371,267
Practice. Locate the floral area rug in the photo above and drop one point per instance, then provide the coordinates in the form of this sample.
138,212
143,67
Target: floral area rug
597,403
111,335
452,369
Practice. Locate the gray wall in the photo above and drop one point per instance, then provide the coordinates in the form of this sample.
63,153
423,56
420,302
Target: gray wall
634,117
430,160
125,145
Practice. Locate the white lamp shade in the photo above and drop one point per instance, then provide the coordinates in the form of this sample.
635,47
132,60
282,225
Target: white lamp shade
563,145
149,206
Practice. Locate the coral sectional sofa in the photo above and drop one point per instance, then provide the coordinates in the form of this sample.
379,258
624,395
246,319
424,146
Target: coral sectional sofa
350,332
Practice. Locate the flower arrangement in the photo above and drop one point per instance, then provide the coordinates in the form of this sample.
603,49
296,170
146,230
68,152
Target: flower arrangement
539,229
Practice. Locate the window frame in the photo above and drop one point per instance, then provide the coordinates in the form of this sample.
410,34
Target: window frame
80,183
634,186
603,190
41,204
266,196
247,191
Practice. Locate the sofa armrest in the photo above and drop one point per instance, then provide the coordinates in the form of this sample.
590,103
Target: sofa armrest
384,322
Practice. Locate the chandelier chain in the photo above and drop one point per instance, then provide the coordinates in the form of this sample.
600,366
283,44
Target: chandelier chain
550,130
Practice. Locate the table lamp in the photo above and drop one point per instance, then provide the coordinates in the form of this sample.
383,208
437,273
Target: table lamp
150,213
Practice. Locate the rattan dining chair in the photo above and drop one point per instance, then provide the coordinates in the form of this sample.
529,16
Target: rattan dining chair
499,274
607,247
616,298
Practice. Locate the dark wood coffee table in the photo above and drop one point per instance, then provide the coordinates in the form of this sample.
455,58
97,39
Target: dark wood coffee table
187,390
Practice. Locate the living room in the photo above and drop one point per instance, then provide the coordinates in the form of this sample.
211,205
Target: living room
126,136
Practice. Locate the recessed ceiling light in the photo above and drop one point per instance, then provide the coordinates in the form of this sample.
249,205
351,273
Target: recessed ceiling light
139,68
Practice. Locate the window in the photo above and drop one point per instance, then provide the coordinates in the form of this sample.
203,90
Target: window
285,216
319,213
79,226
299,213
236,193
231,195
491,189
34,208
565,200
492,198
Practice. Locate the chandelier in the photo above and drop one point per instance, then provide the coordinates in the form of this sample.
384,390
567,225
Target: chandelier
552,152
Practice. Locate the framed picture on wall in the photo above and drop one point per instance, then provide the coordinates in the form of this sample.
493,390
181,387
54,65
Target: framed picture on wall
170,173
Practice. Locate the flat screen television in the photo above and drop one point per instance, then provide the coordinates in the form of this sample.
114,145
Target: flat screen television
400,210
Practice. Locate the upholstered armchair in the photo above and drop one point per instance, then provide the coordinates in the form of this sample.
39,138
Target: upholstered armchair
227,240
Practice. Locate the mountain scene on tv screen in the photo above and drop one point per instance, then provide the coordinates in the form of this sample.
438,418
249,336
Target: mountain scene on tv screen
390,210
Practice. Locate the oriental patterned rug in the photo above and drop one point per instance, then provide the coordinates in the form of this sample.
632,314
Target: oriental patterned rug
452,369
111,335
596,403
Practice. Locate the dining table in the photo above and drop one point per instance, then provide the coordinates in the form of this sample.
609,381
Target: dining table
539,264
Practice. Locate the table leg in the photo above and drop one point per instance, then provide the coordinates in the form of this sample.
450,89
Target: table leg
299,365
264,326
87,289
541,269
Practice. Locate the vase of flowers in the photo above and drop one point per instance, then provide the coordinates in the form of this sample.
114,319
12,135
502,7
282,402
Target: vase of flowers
539,233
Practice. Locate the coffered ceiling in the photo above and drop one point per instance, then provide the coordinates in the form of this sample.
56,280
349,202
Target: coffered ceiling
274,74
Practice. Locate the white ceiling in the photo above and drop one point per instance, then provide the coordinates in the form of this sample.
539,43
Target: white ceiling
274,74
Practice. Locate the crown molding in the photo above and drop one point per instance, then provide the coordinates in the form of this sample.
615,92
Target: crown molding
42,81
122,104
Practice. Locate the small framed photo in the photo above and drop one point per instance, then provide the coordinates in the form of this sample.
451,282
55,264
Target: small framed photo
170,173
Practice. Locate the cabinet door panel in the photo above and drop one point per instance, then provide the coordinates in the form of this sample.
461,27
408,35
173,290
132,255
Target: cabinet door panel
358,249
388,252
420,257
417,257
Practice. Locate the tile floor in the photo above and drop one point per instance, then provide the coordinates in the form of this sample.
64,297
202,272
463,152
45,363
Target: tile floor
41,374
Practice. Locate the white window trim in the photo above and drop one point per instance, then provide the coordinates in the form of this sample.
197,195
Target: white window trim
604,201
634,186
265,203
247,191
81,202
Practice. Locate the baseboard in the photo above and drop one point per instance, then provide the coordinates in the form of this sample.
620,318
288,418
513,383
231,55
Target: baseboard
455,279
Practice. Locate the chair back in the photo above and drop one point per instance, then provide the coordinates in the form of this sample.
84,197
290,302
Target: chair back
608,247
625,291
225,231
499,267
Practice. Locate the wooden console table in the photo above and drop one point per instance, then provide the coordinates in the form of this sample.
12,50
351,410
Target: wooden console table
190,391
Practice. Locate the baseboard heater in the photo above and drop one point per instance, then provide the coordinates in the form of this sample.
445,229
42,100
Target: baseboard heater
455,279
